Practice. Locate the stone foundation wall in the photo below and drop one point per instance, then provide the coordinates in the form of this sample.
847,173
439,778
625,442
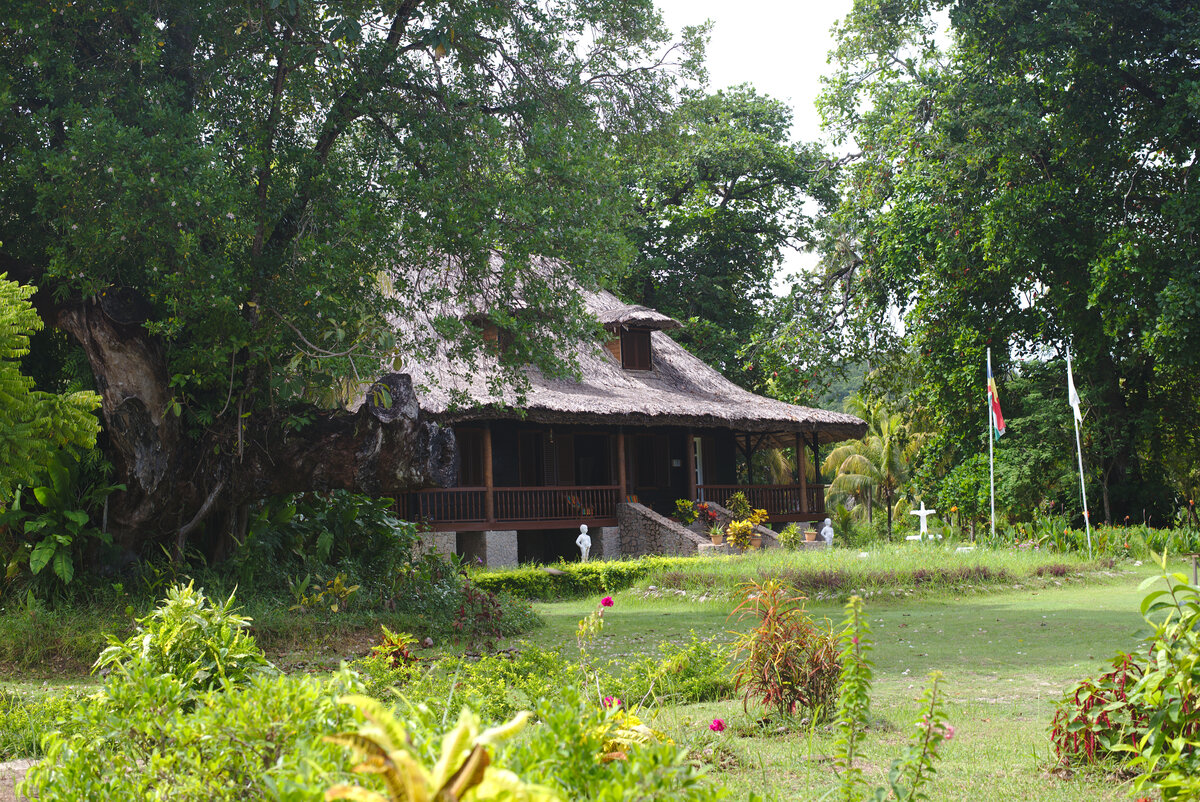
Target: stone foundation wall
644,531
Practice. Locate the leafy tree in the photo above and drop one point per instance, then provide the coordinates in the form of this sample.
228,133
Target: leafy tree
36,428
721,193
241,211
1031,189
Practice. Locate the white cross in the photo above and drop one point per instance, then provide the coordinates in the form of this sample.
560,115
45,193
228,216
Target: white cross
924,513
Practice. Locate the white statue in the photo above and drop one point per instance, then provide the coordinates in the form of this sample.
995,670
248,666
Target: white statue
583,542
827,531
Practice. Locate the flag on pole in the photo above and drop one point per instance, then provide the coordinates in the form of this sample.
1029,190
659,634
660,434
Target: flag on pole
1072,396
994,403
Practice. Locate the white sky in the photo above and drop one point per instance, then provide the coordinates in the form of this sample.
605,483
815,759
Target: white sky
781,48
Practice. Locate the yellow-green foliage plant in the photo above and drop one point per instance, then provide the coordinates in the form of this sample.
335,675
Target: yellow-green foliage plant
738,533
462,773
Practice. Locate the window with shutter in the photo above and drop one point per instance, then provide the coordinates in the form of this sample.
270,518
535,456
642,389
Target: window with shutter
635,349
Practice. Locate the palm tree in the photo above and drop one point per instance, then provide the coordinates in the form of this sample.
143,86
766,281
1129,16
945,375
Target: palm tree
874,468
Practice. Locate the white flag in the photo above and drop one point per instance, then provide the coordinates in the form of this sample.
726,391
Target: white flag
1072,396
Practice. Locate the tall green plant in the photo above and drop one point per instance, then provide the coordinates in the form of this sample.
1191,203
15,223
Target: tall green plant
914,769
1168,752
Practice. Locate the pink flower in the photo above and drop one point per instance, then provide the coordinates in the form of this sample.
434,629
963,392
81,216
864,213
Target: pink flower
718,725
607,601
854,640
949,732
612,701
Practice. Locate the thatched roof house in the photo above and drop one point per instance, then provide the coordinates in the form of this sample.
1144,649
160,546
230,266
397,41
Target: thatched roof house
677,390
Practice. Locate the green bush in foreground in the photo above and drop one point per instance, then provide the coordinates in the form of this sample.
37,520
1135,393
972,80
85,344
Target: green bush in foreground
203,645
1147,709
137,740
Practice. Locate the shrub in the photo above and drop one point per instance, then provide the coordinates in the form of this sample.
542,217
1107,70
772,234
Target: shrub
739,533
561,752
1168,752
1095,716
787,662
739,506
259,741
685,511
495,686
790,537
697,671
203,645
576,580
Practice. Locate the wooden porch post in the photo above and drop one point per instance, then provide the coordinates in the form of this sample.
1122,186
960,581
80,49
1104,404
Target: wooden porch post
749,461
489,497
690,455
802,471
621,465
817,459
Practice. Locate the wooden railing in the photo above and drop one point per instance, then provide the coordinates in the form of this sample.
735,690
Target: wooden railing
515,507
450,504
782,502
555,503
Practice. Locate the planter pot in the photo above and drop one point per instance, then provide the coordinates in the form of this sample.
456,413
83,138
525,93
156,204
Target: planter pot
717,539
756,541
810,535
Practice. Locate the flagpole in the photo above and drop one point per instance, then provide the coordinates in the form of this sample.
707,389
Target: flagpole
991,441
1074,400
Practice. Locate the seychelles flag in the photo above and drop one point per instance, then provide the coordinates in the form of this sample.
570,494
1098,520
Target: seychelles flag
994,402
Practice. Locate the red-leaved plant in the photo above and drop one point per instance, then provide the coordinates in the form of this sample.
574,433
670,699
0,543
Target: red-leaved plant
789,663
1095,715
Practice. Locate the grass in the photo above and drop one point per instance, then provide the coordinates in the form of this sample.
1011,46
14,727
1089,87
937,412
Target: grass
1006,657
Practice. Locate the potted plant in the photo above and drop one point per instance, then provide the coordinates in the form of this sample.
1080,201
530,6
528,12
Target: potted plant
717,533
810,535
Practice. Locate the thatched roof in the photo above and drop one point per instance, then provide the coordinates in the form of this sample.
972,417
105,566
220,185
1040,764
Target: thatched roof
679,390
636,316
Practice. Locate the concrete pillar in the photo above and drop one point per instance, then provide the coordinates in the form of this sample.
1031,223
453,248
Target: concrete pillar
500,548
444,543
606,543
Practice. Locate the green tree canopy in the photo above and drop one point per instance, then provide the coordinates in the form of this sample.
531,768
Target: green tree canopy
720,192
35,427
240,209
1031,188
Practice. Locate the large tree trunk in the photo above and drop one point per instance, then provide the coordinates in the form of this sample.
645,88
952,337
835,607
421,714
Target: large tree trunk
173,482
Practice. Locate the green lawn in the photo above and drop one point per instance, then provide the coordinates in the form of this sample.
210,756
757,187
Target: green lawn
1005,657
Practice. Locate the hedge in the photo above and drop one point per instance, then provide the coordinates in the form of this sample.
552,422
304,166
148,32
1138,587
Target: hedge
577,580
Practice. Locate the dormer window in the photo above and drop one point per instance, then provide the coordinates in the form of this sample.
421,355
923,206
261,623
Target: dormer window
632,325
635,349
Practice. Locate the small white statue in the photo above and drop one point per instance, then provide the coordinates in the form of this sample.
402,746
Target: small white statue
827,531
584,542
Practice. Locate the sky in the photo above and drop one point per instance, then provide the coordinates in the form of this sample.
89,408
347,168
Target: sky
778,46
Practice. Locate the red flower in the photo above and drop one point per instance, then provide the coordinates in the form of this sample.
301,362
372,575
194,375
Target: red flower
607,601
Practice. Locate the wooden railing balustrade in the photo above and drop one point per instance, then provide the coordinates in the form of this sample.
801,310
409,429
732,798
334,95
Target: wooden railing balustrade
515,507
782,502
